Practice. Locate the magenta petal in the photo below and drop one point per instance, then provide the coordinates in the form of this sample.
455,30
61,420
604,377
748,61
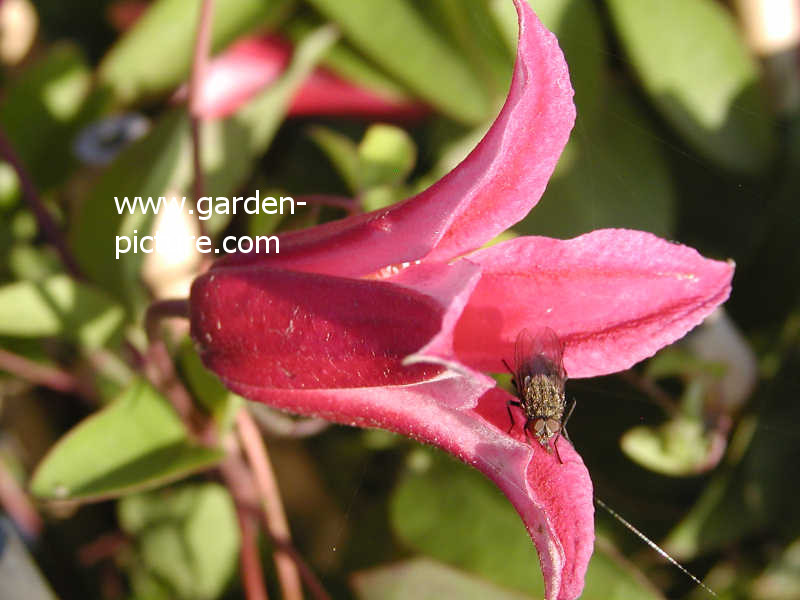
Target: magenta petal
282,329
493,188
554,501
237,74
613,296
505,175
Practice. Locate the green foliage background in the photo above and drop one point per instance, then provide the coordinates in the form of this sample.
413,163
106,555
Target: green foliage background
676,134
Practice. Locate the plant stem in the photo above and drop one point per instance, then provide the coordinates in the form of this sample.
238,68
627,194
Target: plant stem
43,218
161,372
274,515
39,374
16,503
199,67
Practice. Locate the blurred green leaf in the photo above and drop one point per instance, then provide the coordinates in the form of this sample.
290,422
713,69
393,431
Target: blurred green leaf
750,493
610,175
433,502
679,447
694,65
342,152
134,443
348,63
59,306
187,537
781,579
470,26
394,35
43,109
221,403
31,263
387,154
155,54
425,579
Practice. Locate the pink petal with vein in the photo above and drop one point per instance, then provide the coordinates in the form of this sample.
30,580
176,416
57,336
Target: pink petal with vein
614,297
493,188
554,501
282,329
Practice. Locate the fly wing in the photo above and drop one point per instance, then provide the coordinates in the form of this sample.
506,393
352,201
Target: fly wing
539,352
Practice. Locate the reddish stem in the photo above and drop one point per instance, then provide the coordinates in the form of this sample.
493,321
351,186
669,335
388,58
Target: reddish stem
199,67
16,503
274,515
46,224
39,374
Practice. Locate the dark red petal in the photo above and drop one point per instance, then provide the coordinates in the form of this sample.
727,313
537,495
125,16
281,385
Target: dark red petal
613,296
282,329
554,500
493,188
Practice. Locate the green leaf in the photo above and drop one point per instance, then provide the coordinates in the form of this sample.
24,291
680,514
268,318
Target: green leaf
610,175
42,110
59,306
452,513
679,447
693,63
155,54
781,579
220,402
136,442
187,537
342,152
386,156
349,64
395,36
425,579
470,26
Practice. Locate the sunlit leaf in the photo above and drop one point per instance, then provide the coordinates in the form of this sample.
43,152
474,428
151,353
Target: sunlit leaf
155,55
425,579
187,537
395,36
59,306
136,442
695,67
42,110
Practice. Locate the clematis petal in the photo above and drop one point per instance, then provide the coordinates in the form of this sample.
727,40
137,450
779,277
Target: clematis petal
554,501
273,328
493,188
613,296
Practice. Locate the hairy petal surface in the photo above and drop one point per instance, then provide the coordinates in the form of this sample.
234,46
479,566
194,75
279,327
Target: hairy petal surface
274,328
613,296
493,188
554,501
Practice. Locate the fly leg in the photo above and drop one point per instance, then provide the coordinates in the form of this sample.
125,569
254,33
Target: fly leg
509,404
564,431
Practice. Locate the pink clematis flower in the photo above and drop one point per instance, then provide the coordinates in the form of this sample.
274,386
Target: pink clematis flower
252,63
391,319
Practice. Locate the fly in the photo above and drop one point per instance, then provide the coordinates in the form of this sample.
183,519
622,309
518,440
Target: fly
538,378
